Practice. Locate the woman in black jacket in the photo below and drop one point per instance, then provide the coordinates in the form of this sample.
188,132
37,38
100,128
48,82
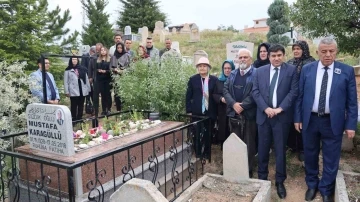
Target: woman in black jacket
200,102
103,80
222,118
262,55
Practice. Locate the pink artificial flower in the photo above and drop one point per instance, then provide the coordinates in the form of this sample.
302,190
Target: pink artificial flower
105,136
92,131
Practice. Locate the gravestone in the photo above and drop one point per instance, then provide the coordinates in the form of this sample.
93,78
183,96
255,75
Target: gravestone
138,190
144,35
173,31
199,54
50,128
232,49
194,33
139,30
162,36
84,49
185,29
175,45
159,26
236,168
127,30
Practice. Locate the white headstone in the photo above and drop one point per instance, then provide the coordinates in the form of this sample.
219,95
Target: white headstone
199,54
84,49
233,48
194,33
137,190
139,30
50,128
235,159
175,45
144,35
127,30
162,36
159,26
185,29
174,30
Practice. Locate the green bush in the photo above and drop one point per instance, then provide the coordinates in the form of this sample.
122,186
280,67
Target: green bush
150,86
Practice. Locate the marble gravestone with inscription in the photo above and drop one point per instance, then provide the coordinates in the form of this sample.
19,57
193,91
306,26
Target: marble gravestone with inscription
232,49
50,128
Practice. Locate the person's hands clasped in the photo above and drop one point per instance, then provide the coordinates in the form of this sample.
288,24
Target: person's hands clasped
237,107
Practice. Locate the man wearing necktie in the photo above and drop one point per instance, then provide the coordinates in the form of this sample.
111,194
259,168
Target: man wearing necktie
36,87
326,106
275,90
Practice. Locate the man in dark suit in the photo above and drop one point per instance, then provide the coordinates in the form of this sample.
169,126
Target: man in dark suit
275,90
326,106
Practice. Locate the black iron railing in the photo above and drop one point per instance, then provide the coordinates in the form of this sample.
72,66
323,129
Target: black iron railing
171,160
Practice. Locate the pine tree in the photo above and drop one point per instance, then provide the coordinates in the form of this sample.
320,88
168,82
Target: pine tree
139,13
28,29
98,30
279,22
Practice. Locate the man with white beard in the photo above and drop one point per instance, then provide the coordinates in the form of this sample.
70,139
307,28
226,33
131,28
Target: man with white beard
241,107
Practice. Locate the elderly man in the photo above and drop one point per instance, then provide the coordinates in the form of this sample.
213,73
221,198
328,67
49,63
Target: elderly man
36,84
326,106
241,107
275,90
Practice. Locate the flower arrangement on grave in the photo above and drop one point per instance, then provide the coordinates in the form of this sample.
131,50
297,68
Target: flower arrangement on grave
110,129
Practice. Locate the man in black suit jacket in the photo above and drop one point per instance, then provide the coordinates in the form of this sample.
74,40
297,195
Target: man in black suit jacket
275,89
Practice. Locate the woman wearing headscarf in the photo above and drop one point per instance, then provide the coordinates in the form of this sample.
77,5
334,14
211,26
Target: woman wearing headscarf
119,62
301,57
222,118
262,55
199,100
76,86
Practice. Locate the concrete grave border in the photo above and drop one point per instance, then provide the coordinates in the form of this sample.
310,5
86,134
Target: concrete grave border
263,195
340,186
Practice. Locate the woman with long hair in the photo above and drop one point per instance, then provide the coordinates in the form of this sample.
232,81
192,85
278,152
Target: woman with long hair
141,54
76,86
103,80
119,62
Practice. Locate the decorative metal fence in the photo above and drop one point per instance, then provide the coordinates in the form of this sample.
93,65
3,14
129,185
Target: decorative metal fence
171,160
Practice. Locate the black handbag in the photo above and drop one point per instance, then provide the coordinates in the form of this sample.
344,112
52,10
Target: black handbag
89,108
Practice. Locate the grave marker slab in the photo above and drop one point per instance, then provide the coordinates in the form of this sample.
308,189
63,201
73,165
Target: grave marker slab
199,54
185,29
235,159
233,48
127,30
138,190
159,26
194,33
144,35
50,128
176,45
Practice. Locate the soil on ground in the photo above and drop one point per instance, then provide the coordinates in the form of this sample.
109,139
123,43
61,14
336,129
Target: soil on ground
295,183
352,187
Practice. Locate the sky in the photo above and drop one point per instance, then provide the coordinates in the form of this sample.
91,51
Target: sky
205,14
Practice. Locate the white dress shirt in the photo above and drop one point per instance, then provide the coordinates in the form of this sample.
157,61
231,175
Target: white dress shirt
272,72
245,70
319,77
112,50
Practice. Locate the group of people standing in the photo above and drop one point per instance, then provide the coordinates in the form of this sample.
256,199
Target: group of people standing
301,104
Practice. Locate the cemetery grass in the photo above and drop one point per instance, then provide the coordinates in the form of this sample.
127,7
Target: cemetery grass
295,182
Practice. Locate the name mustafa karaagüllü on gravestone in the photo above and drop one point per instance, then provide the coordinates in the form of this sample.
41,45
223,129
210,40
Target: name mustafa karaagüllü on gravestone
50,128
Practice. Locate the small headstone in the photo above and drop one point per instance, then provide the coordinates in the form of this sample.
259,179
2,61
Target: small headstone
194,33
139,30
138,190
185,29
159,26
175,45
233,48
84,49
236,167
127,30
144,34
162,36
199,54
50,128
174,30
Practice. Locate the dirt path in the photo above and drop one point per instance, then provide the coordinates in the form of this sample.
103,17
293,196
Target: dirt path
295,182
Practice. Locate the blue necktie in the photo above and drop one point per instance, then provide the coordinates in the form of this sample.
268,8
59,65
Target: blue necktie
272,86
322,98
52,89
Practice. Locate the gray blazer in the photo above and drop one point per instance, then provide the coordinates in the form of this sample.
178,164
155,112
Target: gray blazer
71,85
